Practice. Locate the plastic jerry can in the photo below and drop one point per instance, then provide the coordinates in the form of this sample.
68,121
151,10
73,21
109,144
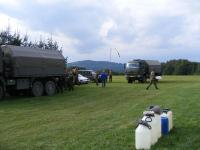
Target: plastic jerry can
170,117
165,124
149,117
143,135
157,113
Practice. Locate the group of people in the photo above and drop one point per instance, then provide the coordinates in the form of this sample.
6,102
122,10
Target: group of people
103,77
67,81
70,79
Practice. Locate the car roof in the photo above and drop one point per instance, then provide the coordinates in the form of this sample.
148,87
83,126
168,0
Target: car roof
85,70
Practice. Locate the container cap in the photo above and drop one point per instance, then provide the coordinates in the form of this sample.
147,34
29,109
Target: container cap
164,115
156,109
149,113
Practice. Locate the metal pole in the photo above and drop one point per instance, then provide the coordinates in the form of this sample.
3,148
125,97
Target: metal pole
110,54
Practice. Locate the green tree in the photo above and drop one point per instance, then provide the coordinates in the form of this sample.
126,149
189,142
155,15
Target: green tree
7,38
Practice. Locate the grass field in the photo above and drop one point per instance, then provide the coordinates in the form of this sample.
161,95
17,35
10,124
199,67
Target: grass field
95,118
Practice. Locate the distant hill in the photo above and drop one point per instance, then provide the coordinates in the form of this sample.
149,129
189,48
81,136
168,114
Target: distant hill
99,65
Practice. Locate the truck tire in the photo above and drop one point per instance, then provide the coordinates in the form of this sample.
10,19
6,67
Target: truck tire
13,93
50,88
1,92
130,80
37,89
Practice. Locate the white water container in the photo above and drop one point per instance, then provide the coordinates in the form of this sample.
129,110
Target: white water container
170,117
158,125
157,112
143,136
150,118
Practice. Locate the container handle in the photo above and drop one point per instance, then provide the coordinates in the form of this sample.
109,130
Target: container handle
165,110
148,119
144,123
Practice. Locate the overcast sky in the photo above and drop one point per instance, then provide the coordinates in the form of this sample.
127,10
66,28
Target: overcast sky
88,29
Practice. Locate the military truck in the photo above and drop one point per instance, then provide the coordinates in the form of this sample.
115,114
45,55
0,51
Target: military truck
30,69
140,70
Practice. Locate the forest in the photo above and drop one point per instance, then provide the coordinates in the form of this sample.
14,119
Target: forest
181,67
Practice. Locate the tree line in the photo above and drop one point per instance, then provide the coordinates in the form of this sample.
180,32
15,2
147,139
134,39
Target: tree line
8,38
181,67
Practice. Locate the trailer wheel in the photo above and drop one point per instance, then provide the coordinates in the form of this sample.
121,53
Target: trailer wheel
37,89
1,92
50,88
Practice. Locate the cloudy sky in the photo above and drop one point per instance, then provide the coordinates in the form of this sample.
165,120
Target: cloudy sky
88,29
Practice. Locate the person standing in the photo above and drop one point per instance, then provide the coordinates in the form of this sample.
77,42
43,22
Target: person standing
97,78
110,76
152,80
70,82
75,76
60,84
103,79
65,78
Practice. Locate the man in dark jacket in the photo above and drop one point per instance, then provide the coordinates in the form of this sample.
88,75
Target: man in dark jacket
103,79
70,82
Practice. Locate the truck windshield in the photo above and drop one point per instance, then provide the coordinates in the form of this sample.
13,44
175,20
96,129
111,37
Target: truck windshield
132,65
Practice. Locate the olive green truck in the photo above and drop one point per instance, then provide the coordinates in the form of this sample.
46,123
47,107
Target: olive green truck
140,70
29,69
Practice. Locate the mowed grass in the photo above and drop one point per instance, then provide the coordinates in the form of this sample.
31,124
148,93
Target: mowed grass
95,118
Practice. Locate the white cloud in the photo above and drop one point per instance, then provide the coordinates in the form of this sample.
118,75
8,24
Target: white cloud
123,24
10,3
19,26
138,16
49,2
15,24
77,3
106,27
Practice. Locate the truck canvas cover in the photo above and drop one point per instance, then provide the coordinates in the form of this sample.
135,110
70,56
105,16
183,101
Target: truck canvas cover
34,62
154,65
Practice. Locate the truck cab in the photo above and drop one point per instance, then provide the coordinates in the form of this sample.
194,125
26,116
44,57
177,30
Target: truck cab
136,70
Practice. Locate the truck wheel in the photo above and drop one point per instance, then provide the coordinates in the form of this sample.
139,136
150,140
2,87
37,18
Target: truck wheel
50,88
130,81
1,92
37,89
13,93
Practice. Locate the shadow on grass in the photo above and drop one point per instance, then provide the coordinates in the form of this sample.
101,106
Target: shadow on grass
177,139
22,97
161,81
176,81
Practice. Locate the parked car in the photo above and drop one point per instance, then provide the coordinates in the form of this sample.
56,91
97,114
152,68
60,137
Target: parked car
82,79
90,74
